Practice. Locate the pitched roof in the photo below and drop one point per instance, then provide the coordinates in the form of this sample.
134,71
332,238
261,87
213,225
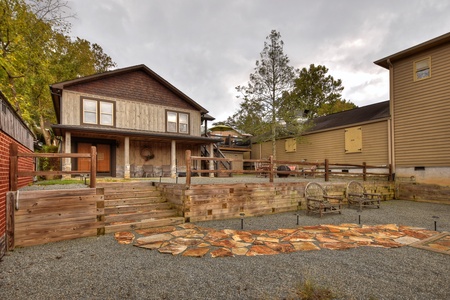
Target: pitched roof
384,62
363,114
56,88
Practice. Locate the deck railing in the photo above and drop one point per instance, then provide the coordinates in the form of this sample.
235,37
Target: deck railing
269,168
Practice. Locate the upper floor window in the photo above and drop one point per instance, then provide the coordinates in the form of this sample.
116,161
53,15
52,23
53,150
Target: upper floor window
177,122
422,68
98,112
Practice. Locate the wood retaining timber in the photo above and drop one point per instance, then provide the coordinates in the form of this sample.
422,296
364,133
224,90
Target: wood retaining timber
47,216
203,202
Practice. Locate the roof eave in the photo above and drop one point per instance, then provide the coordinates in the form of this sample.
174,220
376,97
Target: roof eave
445,38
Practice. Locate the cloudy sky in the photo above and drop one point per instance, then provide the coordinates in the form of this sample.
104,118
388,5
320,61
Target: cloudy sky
208,47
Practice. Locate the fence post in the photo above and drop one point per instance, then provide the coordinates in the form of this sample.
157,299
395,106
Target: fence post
364,171
93,167
271,168
100,211
188,167
13,166
10,199
327,170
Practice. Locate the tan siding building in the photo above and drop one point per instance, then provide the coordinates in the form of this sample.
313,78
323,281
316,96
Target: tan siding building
328,139
420,106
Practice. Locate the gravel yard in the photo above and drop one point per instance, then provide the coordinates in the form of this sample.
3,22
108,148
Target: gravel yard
101,268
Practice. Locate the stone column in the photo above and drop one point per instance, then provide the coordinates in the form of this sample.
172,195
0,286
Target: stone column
173,159
126,158
67,161
211,162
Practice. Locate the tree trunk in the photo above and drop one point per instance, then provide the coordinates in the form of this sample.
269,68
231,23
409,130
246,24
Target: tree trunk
45,134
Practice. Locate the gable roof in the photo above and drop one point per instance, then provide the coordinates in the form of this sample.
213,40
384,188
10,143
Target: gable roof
373,112
384,62
56,88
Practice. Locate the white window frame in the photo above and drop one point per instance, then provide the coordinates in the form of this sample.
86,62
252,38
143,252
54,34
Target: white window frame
419,69
100,112
175,122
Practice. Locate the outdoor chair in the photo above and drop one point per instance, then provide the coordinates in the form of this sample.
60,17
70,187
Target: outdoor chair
133,170
318,201
356,195
148,171
166,170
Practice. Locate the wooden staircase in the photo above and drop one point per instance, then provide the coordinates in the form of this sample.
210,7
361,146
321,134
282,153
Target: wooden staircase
136,206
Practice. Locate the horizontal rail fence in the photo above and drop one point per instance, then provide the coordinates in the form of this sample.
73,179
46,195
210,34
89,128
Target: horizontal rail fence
268,167
15,173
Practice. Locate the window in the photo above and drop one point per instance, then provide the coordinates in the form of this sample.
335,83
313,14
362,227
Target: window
177,122
98,112
422,69
290,145
353,140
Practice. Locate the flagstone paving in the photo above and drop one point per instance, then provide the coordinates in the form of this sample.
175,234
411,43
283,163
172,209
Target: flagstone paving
196,241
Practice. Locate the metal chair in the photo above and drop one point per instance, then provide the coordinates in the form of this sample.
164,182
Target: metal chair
148,171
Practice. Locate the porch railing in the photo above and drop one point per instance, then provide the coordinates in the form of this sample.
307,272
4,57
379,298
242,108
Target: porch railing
15,173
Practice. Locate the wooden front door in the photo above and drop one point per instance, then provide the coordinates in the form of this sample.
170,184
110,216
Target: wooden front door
103,157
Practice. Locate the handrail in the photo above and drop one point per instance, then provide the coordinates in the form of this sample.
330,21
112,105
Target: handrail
324,168
15,173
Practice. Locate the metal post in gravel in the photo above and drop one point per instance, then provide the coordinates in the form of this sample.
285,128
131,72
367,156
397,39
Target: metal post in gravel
435,222
242,220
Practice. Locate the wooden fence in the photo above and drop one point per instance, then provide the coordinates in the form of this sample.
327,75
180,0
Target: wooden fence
15,173
267,167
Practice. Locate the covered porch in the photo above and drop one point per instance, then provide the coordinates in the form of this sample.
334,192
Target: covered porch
130,153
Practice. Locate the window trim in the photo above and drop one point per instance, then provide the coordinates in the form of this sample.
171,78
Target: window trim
98,112
178,124
415,70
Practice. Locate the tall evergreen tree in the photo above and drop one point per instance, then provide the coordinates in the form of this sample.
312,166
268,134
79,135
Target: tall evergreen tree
260,111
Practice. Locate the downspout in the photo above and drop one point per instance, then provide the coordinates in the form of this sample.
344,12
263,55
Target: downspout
391,136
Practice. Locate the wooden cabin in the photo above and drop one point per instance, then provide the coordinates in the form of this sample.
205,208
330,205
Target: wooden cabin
420,109
353,136
140,123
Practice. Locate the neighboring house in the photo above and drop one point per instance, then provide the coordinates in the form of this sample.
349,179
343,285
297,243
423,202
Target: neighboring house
140,123
420,109
234,144
353,136
13,130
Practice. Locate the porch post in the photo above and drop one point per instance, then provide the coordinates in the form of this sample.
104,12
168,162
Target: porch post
173,159
67,161
126,154
211,162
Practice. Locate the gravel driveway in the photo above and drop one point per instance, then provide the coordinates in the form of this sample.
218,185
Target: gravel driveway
100,268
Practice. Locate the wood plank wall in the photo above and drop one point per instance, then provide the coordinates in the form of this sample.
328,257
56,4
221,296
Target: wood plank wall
49,216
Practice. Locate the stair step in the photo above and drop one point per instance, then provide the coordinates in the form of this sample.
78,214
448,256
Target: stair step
135,216
147,223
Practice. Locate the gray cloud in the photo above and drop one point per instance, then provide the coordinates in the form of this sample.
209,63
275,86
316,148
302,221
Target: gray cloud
207,48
